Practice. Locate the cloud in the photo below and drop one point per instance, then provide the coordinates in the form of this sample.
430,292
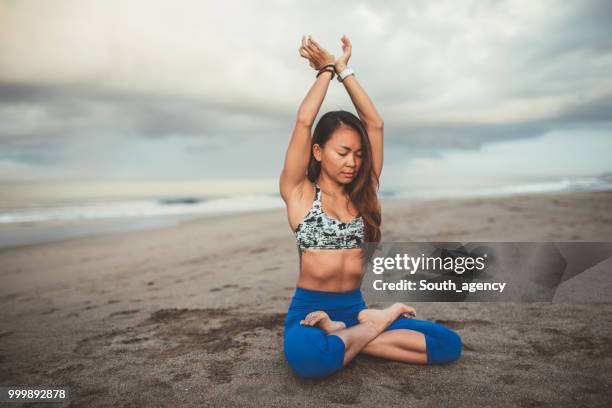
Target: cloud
55,111
208,76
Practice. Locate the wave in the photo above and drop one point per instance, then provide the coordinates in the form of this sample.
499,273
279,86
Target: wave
89,210
580,184
197,205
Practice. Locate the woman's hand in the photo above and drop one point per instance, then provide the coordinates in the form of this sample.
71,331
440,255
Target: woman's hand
342,62
316,55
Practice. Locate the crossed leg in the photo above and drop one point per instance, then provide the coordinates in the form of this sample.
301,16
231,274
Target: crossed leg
408,340
319,346
372,324
403,345
416,341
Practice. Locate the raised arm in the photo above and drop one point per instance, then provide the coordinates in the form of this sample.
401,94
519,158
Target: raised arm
372,121
298,152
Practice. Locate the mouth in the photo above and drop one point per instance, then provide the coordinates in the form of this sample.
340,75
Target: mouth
347,174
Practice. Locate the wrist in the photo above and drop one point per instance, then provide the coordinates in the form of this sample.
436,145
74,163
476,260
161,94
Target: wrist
323,71
340,66
345,73
330,66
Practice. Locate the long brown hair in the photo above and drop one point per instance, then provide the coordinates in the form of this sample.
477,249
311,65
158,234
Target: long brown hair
363,188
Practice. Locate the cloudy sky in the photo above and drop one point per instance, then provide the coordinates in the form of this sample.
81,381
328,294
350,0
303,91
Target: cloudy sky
122,90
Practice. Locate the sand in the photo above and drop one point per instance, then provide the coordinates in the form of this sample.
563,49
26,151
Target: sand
192,316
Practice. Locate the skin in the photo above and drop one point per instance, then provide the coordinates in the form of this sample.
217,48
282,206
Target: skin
341,270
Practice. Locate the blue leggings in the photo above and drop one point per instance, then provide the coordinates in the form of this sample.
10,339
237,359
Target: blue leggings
312,353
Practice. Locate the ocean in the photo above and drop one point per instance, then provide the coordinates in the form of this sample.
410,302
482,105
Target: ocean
40,212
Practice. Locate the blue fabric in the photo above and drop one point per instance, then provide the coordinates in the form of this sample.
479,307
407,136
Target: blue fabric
312,353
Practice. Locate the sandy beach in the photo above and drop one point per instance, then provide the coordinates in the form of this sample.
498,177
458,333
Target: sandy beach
191,316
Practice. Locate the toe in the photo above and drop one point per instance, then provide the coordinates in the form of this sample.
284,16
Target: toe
313,317
307,319
318,317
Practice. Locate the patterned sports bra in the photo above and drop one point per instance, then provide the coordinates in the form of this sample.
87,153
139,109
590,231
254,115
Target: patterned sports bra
320,231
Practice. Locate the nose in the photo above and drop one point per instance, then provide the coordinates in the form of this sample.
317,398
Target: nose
351,160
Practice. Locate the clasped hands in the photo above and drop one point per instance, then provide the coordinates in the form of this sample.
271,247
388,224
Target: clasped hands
318,57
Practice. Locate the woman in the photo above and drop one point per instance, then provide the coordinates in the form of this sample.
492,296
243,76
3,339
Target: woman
329,184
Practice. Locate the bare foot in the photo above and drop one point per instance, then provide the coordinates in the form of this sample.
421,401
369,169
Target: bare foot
381,319
410,312
321,320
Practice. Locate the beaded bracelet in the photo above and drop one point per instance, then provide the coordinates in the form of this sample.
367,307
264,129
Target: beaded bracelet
327,70
332,66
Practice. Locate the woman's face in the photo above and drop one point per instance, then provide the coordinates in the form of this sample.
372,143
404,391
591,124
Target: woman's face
342,155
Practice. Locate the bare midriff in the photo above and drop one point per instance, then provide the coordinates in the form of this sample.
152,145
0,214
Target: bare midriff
331,270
